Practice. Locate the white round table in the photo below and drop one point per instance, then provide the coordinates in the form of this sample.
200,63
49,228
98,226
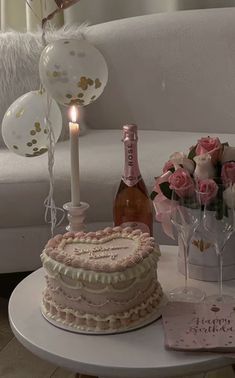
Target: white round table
139,353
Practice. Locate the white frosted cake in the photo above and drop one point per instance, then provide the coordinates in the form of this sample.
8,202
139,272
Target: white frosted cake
101,281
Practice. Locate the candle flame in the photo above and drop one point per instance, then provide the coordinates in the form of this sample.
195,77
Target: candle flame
73,113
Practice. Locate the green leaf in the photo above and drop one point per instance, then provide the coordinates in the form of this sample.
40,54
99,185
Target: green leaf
192,153
218,168
165,188
153,195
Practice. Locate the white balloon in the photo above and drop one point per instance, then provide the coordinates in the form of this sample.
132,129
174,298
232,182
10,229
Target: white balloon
73,71
24,127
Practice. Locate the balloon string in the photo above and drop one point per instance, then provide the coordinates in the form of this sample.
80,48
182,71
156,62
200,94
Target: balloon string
49,201
32,10
44,23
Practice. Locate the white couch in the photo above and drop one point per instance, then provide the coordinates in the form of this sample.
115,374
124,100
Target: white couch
172,74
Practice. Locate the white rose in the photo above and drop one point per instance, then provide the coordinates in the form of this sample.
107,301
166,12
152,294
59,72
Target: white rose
179,159
204,167
229,196
228,154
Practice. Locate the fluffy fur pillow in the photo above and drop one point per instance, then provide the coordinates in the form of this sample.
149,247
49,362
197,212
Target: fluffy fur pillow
20,53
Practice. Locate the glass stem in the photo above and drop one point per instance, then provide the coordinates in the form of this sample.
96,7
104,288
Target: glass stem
186,247
220,281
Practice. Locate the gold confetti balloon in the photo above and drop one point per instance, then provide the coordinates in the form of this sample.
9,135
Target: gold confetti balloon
24,126
73,71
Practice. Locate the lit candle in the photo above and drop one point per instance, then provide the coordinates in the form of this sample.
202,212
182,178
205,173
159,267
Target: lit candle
74,156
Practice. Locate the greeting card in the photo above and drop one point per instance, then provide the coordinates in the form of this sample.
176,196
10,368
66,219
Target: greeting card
199,326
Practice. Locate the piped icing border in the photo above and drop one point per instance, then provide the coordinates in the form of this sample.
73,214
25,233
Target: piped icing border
92,276
90,322
145,247
78,285
151,287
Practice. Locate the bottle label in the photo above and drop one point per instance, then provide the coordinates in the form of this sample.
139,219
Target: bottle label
136,226
131,174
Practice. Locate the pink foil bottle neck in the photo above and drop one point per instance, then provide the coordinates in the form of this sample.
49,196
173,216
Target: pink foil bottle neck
131,174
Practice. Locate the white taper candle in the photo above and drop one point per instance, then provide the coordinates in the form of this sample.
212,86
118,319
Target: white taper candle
74,157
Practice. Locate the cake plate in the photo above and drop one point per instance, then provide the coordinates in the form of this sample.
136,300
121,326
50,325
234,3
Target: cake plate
150,319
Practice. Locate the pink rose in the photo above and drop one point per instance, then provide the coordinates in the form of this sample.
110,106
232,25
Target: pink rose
210,145
182,183
228,173
168,165
207,190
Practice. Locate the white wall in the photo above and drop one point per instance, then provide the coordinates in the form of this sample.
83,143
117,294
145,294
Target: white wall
16,15
96,11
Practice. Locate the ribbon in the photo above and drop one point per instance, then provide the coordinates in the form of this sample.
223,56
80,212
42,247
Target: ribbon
164,206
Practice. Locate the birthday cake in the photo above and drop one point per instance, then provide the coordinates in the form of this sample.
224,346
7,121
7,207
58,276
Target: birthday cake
104,281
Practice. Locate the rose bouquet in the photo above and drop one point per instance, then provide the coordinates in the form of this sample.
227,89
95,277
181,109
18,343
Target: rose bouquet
207,167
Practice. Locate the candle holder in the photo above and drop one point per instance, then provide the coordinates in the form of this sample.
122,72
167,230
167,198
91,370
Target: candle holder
76,216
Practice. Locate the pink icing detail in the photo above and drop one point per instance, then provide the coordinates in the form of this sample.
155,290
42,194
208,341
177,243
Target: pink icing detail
117,229
128,230
146,246
83,264
90,234
146,251
69,235
76,263
60,258
79,234
136,232
58,238
97,266
138,258
99,233
87,239
119,267
108,230
53,254
106,267
144,235
52,243
68,260
128,263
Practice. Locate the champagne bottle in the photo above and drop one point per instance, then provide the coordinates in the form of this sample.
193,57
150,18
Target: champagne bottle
132,205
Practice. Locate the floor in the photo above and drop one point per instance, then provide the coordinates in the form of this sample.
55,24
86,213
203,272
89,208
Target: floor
18,362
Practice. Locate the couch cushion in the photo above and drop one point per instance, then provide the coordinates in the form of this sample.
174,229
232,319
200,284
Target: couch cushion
24,181
168,71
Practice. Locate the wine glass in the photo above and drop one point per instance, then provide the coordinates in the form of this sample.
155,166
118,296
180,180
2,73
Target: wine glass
186,216
219,225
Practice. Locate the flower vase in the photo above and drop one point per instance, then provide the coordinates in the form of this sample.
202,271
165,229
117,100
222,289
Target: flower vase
203,261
